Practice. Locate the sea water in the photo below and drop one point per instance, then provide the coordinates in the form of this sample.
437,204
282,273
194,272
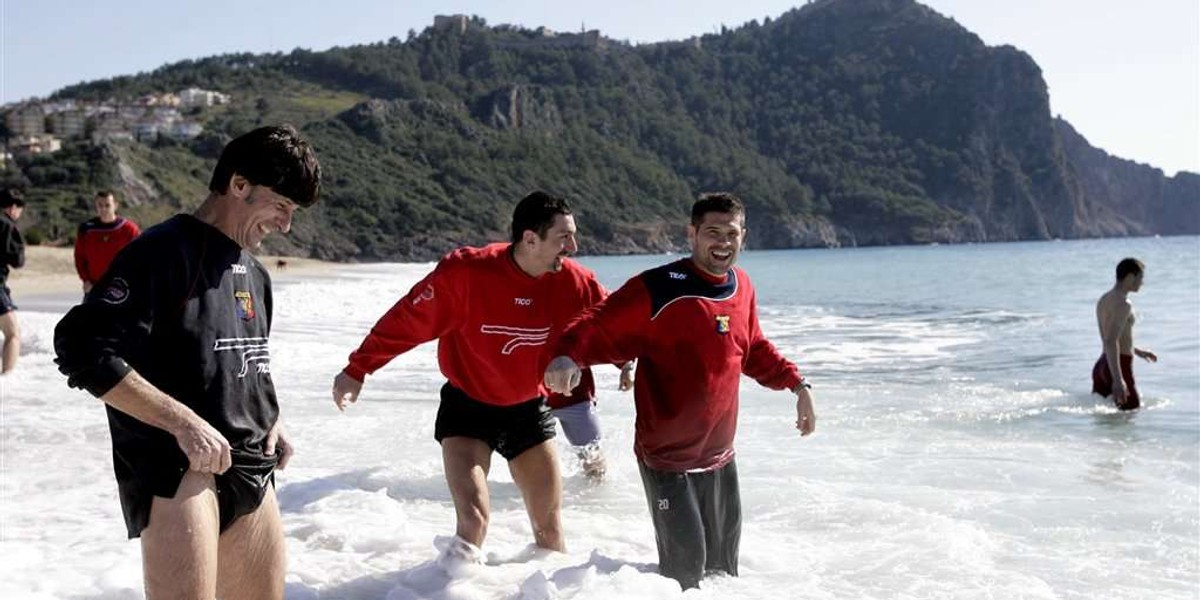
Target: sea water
958,453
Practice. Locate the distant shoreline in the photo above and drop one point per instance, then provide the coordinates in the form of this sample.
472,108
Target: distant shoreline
50,271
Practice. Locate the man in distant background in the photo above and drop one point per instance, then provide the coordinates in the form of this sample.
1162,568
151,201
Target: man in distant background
576,412
12,203
100,239
1113,372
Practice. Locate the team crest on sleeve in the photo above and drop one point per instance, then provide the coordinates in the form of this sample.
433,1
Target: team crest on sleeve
722,324
425,295
245,305
117,291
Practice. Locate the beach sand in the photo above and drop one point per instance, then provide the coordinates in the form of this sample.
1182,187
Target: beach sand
50,271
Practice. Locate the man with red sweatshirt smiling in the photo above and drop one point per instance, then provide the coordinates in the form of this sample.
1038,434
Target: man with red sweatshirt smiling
494,311
693,327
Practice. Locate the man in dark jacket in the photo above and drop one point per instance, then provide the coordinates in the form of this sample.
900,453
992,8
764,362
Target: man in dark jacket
173,339
12,203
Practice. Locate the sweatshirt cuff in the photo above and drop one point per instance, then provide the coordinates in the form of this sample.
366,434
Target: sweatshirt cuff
582,364
355,373
103,377
793,380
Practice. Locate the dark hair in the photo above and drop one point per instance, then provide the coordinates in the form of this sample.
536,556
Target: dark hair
11,197
275,157
105,193
536,213
722,202
1129,266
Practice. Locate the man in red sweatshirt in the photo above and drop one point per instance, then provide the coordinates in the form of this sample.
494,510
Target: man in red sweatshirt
99,240
493,310
693,327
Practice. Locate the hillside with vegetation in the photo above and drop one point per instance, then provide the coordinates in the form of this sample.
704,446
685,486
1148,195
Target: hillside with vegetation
840,123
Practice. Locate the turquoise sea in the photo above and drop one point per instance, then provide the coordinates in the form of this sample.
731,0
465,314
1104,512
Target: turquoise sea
958,452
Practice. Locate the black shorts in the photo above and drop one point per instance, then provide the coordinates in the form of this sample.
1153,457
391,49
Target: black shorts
697,521
6,303
240,490
509,430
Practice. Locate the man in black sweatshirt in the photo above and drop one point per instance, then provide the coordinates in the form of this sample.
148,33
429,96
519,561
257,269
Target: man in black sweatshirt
12,254
173,338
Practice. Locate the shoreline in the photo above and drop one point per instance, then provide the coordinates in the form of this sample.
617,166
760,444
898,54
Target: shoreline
49,272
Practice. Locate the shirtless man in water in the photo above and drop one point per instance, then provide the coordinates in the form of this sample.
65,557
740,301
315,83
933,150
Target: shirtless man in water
1114,315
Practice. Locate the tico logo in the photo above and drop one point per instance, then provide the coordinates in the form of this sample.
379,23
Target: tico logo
722,324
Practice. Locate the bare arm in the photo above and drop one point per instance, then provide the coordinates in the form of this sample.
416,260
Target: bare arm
207,450
806,416
626,382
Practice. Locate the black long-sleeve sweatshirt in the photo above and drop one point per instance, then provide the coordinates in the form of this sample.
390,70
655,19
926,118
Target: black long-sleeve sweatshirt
190,311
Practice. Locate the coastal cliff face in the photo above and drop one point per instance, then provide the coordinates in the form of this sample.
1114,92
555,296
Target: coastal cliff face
1129,198
840,123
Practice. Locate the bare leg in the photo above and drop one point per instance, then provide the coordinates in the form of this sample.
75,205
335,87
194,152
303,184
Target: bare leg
536,472
12,341
179,547
591,458
467,461
252,560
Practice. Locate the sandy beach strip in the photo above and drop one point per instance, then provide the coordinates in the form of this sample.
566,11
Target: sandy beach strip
50,273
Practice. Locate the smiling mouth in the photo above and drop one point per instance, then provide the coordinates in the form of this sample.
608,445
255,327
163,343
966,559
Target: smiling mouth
721,254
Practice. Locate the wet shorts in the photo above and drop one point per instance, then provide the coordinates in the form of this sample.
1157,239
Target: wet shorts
240,491
509,430
579,422
1102,381
6,303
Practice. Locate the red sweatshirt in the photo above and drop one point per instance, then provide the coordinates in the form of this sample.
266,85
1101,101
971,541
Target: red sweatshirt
494,322
97,243
694,337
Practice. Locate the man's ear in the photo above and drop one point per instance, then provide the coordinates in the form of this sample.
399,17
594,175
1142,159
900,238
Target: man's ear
238,186
691,230
529,237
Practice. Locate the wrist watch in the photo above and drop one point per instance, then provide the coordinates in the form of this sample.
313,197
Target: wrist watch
803,384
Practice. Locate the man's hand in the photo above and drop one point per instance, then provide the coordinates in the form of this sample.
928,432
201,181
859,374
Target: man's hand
806,418
1146,355
562,375
1118,391
345,390
206,449
277,440
627,376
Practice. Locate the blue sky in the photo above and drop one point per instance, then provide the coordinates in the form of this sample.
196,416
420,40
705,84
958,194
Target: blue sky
1126,74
